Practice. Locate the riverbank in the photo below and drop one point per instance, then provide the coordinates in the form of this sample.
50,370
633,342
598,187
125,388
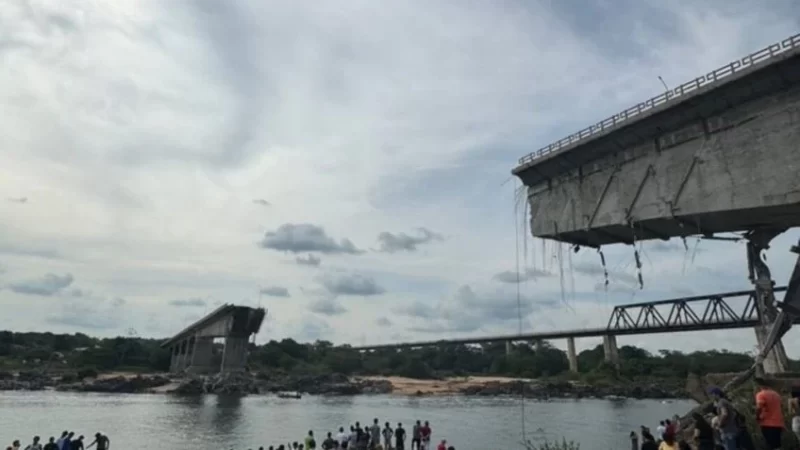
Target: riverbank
338,384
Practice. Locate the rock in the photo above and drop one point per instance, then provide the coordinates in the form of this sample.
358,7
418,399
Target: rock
119,385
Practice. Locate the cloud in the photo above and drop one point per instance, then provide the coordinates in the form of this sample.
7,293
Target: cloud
20,200
359,121
309,260
48,285
305,237
596,270
90,312
275,291
195,302
467,311
351,284
508,276
262,202
383,322
395,242
327,307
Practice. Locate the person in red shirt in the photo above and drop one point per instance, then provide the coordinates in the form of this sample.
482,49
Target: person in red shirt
442,445
425,434
769,414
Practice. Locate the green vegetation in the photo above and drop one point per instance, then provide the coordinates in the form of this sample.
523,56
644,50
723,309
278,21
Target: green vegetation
55,352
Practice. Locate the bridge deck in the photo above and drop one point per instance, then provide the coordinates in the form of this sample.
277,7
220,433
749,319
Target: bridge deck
596,141
714,313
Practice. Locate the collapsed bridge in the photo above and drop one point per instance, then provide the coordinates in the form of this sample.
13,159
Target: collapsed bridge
717,154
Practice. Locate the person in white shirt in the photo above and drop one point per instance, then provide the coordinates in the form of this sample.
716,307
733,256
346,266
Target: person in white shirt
342,438
660,429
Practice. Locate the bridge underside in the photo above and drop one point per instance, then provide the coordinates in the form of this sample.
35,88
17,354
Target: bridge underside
193,348
720,161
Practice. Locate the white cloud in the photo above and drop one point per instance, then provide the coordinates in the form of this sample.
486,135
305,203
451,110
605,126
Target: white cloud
156,146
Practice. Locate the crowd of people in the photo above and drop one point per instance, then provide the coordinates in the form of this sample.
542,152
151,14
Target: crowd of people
67,441
724,427
373,437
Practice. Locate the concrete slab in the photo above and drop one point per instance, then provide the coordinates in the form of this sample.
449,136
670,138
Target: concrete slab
724,160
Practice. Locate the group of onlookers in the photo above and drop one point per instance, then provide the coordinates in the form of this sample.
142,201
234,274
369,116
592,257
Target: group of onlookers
372,437
725,428
67,441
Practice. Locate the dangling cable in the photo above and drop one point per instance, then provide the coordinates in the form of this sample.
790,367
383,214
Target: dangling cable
605,270
636,258
519,317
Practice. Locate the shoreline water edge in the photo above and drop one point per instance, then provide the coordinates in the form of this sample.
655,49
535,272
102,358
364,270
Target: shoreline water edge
338,384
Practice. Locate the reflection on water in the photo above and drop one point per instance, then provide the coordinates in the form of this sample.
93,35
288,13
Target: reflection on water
214,422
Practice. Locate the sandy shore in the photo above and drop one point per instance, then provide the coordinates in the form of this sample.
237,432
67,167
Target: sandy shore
411,386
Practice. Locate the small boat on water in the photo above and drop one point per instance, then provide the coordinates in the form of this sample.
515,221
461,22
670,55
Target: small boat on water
294,395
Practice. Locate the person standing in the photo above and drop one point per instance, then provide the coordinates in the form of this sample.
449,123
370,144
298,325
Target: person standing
51,445
311,444
77,444
35,445
329,443
769,414
400,437
728,428
794,410
425,435
60,441
375,434
660,430
415,433
387,436
101,441
342,438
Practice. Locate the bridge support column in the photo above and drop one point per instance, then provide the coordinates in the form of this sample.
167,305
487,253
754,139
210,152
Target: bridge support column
757,242
572,355
610,350
234,355
509,348
202,355
539,345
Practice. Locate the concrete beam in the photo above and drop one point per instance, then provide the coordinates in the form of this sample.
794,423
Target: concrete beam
572,355
719,170
776,360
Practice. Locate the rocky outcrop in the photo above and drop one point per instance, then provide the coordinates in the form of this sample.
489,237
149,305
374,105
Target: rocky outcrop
25,381
575,390
117,385
327,384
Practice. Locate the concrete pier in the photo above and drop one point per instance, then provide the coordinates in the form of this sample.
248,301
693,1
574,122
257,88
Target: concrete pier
610,350
572,355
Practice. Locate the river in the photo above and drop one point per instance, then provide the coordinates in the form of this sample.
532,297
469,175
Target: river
214,423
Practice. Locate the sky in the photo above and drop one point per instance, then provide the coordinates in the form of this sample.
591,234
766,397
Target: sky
344,164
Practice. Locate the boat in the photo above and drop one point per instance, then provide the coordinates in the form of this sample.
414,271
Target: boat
294,395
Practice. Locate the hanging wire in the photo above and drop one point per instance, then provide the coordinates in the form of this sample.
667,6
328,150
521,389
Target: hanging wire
519,315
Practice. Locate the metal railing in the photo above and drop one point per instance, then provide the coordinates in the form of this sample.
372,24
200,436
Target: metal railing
612,122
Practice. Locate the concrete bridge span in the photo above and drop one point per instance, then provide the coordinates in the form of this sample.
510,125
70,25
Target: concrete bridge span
193,347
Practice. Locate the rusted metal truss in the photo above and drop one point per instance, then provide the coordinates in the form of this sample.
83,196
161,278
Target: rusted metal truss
726,310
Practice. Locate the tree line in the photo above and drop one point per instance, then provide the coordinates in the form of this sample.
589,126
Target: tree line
69,352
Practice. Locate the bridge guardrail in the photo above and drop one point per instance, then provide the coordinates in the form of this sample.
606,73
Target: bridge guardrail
618,119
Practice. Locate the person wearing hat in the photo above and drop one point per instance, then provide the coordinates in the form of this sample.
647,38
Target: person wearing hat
728,429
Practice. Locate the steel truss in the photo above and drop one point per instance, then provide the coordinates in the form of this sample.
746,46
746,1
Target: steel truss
687,314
